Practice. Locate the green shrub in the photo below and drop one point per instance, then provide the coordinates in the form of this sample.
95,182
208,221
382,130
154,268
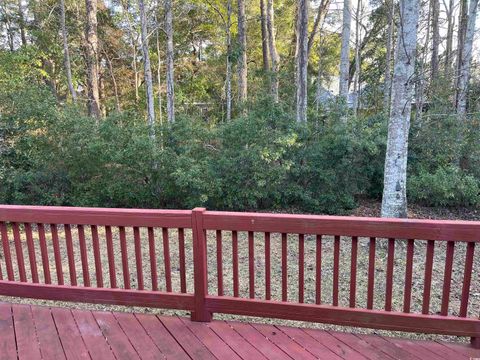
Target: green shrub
447,186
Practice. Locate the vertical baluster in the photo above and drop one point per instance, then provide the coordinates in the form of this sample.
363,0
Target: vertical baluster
371,272
318,270
301,268
166,256
56,254
219,263
353,272
181,251
268,292
111,257
389,280
44,253
6,251
336,271
407,295
467,277
1,272
284,268
428,277
96,256
235,262
19,252
123,248
447,280
153,258
31,252
71,259
83,255
251,265
138,257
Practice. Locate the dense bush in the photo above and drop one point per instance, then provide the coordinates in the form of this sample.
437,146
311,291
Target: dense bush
58,156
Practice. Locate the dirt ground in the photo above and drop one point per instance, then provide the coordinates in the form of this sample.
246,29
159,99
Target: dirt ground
365,209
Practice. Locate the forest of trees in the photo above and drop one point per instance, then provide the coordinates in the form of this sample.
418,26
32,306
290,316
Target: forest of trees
249,104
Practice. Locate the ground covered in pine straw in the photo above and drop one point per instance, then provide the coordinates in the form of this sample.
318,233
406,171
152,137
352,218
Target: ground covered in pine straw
366,209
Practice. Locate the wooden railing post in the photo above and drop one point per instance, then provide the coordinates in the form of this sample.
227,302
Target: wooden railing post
200,266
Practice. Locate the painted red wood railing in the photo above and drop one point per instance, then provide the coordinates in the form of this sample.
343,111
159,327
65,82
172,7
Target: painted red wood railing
66,248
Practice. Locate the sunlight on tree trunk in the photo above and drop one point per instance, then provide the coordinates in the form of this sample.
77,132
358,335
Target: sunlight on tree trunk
272,47
345,49
92,59
66,54
170,75
242,58
302,60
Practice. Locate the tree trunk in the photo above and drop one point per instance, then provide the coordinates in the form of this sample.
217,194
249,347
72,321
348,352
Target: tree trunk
435,38
302,60
228,71
272,47
388,58
318,23
92,59
394,202
356,82
462,31
114,81
466,60
170,75
420,86
66,55
345,49
449,45
147,70
263,21
21,23
159,74
242,58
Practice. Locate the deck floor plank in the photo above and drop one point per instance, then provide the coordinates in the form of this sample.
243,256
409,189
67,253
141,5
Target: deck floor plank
235,341
211,340
117,339
307,342
70,337
27,341
161,337
139,338
284,342
92,336
260,342
8,347
187,340
40,332
50,346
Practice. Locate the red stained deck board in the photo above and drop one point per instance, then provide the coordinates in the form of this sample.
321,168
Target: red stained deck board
415,348
307,342
260,342
118,341
361,346
283,342
92,336
243,348
211,340
161,337
138,337
50,346
187,340
334,344
27,342
70,337
389,348
464,349
8,349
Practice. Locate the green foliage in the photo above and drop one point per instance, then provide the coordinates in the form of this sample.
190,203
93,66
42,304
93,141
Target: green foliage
447,186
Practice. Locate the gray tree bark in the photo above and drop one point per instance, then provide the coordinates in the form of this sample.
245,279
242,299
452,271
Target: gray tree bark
66,54
449,41
92,59
388,58
263,23
394,201
242,59
272,47
147,70
345,49
466,60
21,23
435,38
170,74
228,70
302,60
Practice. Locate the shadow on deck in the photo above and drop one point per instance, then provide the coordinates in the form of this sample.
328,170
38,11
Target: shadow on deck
37,332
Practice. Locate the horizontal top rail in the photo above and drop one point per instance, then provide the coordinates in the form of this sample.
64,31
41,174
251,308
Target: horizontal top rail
96,216
448,230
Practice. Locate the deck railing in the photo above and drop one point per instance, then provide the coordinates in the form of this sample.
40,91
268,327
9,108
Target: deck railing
379,273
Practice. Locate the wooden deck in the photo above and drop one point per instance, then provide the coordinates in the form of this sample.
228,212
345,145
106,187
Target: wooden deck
36,332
